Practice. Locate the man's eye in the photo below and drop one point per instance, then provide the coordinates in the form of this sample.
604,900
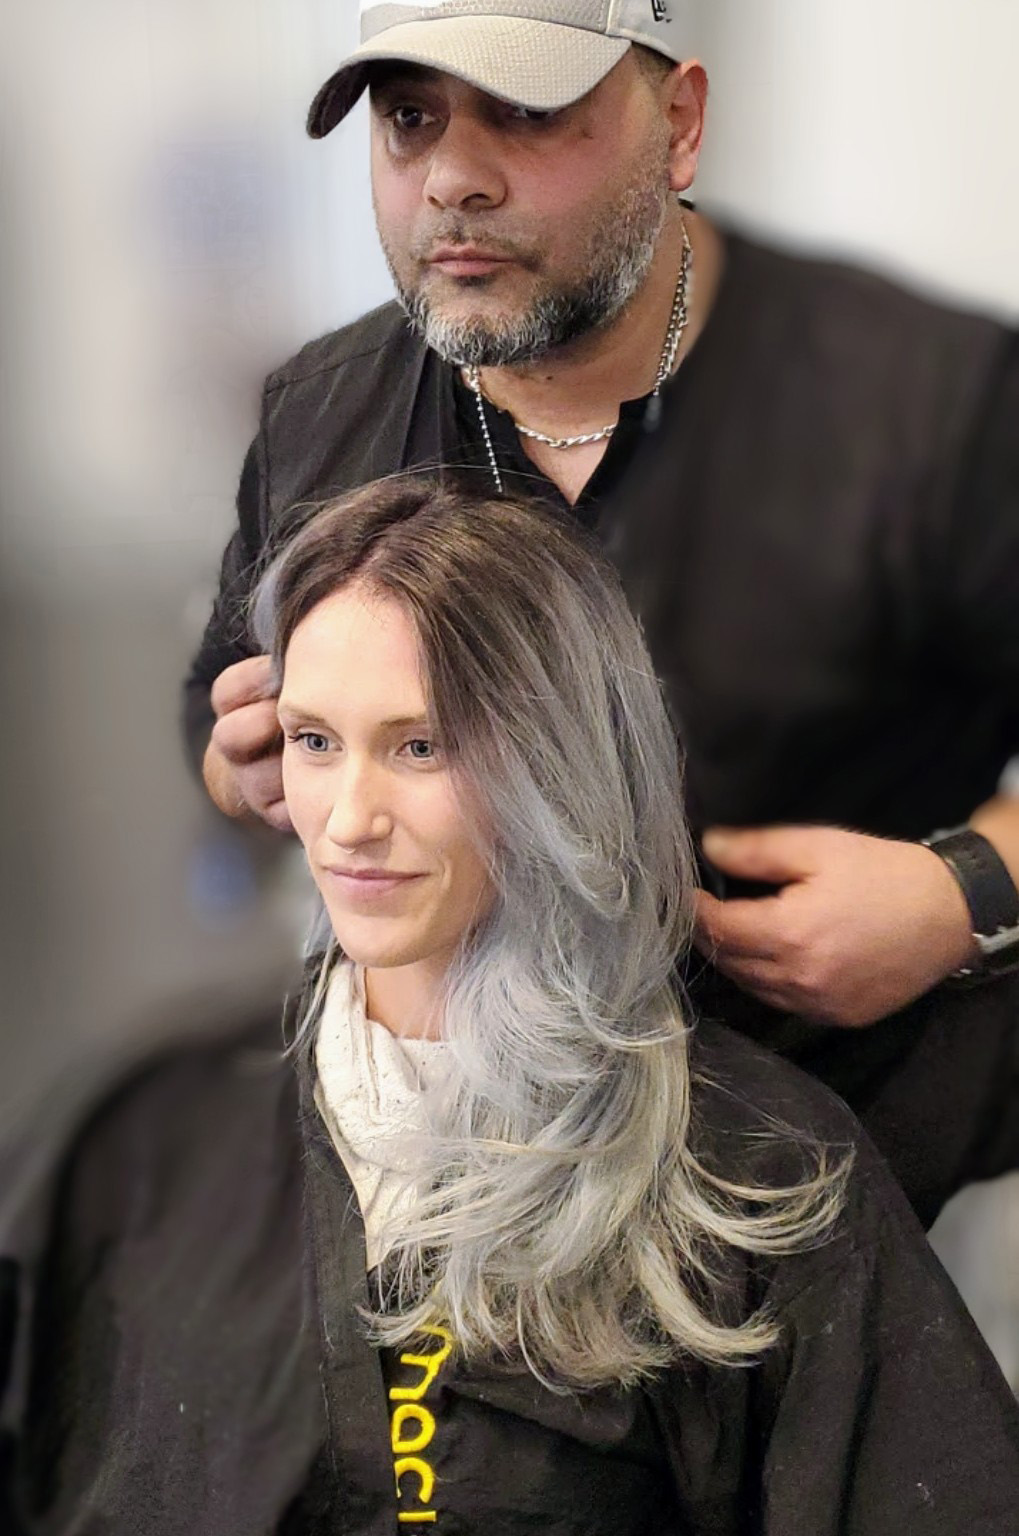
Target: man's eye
533,114
408,119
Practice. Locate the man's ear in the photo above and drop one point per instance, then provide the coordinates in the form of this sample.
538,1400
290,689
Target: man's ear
684,101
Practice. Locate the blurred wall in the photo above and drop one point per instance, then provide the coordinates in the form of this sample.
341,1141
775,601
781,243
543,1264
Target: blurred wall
885,132
168,235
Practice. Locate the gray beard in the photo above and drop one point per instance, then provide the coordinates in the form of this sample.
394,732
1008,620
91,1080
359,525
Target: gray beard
619,260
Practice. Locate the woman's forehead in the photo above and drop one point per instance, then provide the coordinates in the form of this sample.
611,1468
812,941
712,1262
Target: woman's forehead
358,645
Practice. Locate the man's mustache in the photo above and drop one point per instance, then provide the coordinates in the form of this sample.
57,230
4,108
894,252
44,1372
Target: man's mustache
457,234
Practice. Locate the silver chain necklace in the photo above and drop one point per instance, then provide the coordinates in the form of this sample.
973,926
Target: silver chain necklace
678,317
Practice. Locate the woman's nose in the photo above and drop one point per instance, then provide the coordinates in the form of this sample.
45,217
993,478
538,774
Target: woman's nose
360,811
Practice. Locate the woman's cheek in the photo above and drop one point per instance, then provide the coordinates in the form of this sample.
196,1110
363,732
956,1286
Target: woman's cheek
300,799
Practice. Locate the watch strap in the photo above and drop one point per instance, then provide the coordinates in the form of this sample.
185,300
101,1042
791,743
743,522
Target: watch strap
991,896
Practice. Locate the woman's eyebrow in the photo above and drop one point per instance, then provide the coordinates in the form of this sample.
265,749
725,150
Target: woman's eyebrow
401,721
293,707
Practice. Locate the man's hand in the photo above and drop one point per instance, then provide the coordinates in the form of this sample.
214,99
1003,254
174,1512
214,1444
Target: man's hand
243,766
859,927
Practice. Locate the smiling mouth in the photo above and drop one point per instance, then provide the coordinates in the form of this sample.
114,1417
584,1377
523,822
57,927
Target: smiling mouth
367,887
372,876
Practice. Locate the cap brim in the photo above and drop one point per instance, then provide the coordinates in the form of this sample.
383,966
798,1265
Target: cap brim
538,64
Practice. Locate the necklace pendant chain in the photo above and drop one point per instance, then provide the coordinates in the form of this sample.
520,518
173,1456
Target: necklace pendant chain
678,317
493,462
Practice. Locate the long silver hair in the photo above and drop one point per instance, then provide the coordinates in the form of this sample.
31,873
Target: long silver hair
561,1215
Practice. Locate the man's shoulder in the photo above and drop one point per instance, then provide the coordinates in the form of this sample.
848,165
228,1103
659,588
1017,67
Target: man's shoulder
858,300
383,331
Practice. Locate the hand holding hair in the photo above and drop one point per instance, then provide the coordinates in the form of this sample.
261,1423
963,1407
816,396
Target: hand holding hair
243,766
857,928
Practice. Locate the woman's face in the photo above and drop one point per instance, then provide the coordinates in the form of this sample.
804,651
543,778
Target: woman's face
369,788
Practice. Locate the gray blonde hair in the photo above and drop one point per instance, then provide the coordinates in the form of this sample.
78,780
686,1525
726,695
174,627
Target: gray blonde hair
561,1215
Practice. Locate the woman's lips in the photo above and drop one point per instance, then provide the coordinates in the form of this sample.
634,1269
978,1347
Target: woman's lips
368,885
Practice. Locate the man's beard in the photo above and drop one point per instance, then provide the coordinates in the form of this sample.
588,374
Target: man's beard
613,269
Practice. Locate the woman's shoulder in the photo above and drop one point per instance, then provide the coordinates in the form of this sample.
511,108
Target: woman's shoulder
740,1089
758,1122
859,1399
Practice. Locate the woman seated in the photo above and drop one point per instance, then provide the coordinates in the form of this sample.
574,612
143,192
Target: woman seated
504,1243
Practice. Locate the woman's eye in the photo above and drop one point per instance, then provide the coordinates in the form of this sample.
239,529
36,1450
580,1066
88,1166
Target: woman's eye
420,750
312,741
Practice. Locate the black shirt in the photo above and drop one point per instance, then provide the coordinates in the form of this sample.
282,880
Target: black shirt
823,547
822,534
822,539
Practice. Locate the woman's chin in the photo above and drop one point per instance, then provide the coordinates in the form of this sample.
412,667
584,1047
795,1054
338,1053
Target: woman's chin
378,951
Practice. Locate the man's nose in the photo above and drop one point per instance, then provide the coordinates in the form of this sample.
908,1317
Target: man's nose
360,812
466,168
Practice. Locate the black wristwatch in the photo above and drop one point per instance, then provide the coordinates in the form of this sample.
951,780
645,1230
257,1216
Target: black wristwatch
991,896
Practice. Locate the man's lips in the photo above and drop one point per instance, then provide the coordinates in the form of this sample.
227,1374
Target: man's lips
467,260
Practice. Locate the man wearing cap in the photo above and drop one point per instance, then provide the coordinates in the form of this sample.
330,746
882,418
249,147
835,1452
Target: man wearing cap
808,478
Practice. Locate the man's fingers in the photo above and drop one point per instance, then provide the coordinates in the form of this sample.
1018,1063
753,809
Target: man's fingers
758,978
248,789
244,683
774,854
248,733
245,746
260,785
730,929
762,977
277,816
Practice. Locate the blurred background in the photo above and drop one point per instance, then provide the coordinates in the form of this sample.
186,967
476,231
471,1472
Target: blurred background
168,234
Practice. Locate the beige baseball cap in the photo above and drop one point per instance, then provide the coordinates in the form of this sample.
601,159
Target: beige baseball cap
541,54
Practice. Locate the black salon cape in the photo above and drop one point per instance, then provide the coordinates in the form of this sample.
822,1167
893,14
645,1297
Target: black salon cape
187,1356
